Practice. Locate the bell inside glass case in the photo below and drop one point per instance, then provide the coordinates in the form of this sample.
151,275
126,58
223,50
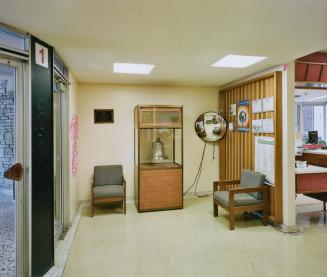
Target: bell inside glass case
158,154
158,146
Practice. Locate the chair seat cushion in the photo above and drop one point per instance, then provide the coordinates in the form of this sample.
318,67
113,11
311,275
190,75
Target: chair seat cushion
108,191
240,199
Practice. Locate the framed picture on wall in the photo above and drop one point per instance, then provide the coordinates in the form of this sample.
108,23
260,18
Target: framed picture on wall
243,116
102,116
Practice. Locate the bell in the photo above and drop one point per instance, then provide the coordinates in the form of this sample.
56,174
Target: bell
158,152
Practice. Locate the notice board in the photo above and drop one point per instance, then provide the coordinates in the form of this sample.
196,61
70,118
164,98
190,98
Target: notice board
264,162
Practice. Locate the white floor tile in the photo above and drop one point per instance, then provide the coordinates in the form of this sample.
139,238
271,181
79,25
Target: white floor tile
192,243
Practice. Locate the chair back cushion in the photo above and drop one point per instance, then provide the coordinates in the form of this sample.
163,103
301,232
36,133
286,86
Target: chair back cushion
108,175
250,179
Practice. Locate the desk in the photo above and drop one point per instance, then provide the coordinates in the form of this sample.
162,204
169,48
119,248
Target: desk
316,151
314,157
312,182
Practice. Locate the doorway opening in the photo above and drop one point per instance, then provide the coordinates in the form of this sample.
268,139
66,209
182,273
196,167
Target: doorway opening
10,149
310,124
59,113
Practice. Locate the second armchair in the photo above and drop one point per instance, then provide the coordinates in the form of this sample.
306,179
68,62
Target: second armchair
244,195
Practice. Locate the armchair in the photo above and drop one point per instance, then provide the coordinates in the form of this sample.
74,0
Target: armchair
244,195
108,186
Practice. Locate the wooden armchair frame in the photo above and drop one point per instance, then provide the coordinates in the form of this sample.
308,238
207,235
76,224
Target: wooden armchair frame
113,199
233,187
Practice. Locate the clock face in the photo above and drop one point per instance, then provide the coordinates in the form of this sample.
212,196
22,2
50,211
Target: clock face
210,126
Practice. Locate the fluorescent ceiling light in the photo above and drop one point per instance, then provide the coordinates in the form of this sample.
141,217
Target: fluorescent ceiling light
317,98
237,61
133,68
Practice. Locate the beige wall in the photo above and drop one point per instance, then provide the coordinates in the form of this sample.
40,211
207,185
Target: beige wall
114,143
73,181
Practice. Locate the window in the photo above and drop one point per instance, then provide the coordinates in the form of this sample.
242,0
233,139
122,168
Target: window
318,121
307,118
12,40
311,117
60,66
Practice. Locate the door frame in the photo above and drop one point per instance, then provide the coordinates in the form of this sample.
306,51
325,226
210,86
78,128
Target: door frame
22,155
59,115
65,166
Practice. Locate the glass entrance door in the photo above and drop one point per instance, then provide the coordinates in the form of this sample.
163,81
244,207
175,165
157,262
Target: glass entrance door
59,90
11,149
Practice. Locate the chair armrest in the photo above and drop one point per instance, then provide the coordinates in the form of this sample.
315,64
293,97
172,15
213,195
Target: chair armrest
263,189
225,185
248,190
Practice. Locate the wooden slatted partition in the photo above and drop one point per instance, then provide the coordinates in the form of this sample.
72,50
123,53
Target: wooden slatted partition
236,151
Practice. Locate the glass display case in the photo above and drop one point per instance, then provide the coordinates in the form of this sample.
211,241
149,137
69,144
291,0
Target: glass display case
158,157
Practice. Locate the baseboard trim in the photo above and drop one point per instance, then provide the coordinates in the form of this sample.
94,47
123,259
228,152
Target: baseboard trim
198,194
187,195
64,246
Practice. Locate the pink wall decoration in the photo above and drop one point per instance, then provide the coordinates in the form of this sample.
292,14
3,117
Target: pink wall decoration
284,66
74,139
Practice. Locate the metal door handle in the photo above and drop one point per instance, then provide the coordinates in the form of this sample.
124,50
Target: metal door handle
15,172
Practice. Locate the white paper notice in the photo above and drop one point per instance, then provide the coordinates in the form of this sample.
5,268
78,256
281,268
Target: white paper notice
257,126
268,125
265,157
231,126
257,106
268,104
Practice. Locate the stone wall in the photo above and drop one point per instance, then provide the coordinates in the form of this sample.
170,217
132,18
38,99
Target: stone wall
7,129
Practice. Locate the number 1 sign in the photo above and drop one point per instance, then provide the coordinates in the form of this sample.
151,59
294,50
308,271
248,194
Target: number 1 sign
41,55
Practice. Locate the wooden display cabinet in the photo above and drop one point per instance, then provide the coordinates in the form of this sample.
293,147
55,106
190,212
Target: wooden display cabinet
158,157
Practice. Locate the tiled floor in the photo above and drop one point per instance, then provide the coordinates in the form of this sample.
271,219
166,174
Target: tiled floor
191,242
7,233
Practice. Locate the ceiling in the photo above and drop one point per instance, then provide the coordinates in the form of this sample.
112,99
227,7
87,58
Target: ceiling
182,38
312,68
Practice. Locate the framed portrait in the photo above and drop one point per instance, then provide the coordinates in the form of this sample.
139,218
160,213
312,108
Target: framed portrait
243,116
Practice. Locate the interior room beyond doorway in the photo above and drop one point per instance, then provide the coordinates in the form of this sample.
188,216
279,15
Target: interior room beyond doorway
310,124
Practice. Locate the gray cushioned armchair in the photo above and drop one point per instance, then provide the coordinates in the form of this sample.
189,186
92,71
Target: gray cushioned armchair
244,195
108,186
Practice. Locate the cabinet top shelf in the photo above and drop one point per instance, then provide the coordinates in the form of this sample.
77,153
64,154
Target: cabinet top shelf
160,166
160,106
158,116
161,127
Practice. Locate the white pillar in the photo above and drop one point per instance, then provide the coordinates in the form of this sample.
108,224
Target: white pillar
288,99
